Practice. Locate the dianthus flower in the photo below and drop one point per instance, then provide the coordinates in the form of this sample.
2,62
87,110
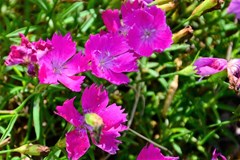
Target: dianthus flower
233,70
110,57
61,63
28,53
145,27
215,156
207,66
234,8
103,123
149,152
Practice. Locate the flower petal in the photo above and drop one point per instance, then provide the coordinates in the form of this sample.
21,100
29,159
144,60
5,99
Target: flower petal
69,113
111,20
77,143
112,116
72,82
108,141
94,99
153,153
207,66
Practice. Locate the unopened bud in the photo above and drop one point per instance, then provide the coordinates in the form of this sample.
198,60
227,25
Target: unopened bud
185,33
33,150
189,70
206,6
167,7
159,2
233,69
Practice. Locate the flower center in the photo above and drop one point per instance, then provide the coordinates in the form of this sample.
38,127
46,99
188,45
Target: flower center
93,120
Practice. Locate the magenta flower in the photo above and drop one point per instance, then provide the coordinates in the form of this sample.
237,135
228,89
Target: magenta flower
153,153
61,64
145,28
102,122
148,30
110,57
234,8
208,66
28,53
215,155
233,69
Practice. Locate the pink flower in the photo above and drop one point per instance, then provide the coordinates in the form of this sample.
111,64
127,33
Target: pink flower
28,53
102,122
208,66
61,64
233,69
110,57
215,155
149,31
234,8
149,152
145,28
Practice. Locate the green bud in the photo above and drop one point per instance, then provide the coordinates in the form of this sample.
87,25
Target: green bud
206,6
189,70
33,150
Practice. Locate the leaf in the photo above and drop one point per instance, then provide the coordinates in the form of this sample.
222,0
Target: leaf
21,30
9,127
175,47
73,7
37,116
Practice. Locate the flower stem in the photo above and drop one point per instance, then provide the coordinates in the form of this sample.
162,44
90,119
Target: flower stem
150,141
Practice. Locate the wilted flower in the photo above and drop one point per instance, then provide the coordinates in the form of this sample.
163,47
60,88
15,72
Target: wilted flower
110,57
208,66
233,69
149,152
102,122
62,63
28,53
215,156
234,8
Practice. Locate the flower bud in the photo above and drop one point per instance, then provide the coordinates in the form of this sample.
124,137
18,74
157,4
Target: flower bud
206,6
33,150
159,2
185,33
233,69
167,7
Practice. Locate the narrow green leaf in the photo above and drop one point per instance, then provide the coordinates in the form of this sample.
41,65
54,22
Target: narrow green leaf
21,30
73,7
37,116
9,127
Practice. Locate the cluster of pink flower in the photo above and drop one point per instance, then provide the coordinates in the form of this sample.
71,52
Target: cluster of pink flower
140,31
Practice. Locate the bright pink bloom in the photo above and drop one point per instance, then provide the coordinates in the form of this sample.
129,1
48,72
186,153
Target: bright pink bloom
108,121
208,66
28,53
149,31
62,63
233,69
145,28
149,152
110,57
215,155
234,8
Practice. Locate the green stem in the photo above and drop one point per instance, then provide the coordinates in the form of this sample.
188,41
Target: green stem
7,112
7,151
150,141
20,107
